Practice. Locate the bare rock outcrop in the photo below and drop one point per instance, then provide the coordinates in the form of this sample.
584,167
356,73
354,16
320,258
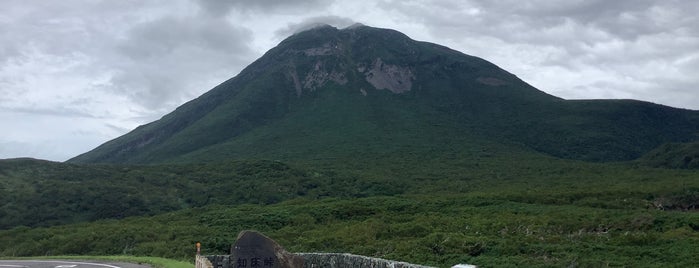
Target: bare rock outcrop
320,75
397,79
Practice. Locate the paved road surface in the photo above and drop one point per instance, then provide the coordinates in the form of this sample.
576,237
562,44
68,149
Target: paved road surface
66,264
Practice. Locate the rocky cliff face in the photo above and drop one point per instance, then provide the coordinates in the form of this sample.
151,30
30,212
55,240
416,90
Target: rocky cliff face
333,61
395,78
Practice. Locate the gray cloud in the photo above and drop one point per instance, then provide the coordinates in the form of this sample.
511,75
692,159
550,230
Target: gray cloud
623,19
292,28
126,45
550,22
89,71
43,111
577,49
168,60
49,136
12,149
223,7
165,35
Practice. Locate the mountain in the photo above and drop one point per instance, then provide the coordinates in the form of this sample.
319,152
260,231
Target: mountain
364,92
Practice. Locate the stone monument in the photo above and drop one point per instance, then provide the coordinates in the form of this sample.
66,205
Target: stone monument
255,250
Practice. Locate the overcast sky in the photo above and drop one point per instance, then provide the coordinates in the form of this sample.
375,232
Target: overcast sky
77,73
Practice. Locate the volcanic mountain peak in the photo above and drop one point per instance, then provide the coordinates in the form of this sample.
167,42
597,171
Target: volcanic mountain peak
382,59
328,91
331,59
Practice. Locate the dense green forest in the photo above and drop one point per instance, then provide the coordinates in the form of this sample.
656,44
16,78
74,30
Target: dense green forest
491,209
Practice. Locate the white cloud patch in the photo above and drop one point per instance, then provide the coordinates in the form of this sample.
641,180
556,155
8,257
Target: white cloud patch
307,23
223,7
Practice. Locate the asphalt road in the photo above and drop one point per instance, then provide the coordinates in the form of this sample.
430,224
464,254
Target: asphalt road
66,264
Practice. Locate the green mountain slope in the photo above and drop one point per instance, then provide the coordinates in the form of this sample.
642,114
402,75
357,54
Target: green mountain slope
38,193
41,193
673,155
339,93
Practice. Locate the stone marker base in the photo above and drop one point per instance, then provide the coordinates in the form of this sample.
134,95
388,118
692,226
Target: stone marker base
344,260
202,262
313,260
254,250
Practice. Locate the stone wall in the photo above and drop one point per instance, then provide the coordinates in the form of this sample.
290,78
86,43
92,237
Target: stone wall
255,250
202,262
343,260
317,260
